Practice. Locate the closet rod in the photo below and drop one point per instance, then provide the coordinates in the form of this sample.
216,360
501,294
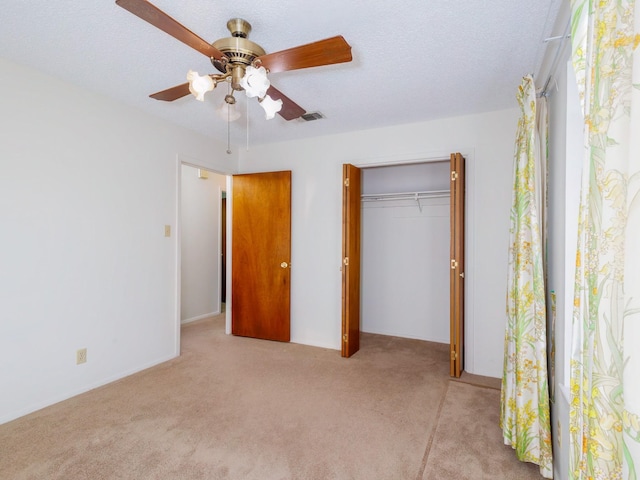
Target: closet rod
405,195
416,196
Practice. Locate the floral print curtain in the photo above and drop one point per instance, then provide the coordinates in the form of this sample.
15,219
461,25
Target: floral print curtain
604,417
524,415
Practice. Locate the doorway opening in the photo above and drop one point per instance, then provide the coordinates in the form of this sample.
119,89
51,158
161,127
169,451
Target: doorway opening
405,251
201,230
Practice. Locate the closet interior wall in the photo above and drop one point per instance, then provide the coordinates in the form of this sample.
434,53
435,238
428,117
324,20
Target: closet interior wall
405,250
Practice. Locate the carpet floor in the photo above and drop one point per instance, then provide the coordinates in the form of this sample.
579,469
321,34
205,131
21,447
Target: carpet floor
240,408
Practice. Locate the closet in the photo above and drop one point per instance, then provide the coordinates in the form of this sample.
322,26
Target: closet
405,251
410,253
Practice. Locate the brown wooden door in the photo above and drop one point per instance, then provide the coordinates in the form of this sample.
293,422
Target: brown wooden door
457,265
350,260
261,254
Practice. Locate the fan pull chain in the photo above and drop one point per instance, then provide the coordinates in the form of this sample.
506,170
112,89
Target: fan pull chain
228,133
247,103
228,122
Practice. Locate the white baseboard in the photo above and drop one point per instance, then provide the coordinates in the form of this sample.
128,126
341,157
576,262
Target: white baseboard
199,317
74,392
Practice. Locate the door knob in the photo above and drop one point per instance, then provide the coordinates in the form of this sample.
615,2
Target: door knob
284,265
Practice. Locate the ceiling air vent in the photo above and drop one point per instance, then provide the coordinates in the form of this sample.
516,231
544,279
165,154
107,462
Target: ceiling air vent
309,117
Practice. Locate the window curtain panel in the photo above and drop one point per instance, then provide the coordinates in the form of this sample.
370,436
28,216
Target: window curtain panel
524,413
604,422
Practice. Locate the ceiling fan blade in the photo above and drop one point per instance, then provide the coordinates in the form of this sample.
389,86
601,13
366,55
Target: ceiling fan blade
159,19
290,109
173,93
324,52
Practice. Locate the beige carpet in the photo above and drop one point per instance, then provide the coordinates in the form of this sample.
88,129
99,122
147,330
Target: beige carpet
468,434
239,408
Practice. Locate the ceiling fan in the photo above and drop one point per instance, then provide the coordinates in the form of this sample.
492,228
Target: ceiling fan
241,62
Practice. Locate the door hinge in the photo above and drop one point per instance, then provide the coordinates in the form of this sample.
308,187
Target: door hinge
346,261
345,338
454,175
454,264
454,355
346,182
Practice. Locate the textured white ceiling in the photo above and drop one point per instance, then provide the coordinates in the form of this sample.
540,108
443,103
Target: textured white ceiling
413,60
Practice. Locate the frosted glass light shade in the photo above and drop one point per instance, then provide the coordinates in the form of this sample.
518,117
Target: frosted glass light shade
255,82
199,84
271,106
228,113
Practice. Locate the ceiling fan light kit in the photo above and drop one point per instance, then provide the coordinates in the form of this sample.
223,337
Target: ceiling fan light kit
255,82
270,106
199,84
228,112
241,62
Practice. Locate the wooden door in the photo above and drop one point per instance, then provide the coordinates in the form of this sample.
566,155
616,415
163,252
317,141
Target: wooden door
261,254
457,265
351,207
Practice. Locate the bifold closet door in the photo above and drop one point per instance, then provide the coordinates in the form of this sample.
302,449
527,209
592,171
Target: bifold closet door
457,266
351,228
351,215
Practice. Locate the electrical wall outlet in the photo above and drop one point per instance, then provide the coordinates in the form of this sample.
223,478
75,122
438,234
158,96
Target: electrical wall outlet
81,356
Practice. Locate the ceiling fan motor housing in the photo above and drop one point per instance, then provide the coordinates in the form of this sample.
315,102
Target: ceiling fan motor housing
238,49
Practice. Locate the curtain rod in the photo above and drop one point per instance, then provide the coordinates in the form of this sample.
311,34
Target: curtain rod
558,37
554,65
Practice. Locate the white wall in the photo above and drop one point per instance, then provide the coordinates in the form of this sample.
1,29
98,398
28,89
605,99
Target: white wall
564,177
410,177
565,142
86,188
200,231
485,140
405,268
557,222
